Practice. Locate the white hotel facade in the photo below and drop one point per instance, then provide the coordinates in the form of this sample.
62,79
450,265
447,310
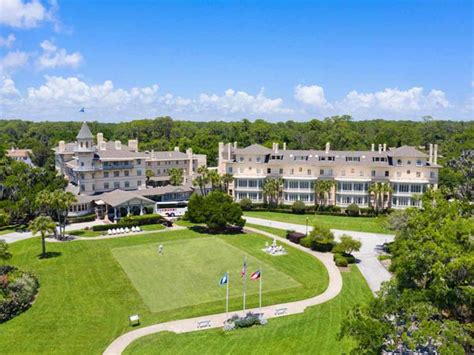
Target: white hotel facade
409,171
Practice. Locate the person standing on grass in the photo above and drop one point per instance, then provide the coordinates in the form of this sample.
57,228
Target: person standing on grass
160,249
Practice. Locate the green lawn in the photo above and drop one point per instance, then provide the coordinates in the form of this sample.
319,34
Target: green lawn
276,231
194,267
86,297
313,332
360,224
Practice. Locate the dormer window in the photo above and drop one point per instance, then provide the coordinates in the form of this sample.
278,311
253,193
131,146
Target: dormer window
419,162
399,162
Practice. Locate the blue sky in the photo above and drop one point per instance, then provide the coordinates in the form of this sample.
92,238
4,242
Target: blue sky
204,60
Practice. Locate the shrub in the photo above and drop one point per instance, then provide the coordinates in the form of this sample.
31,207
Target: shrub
340,261
352,210
131,221
298,207
246,204
347,245
79,219
322,239
367,211
336,209
249,320
384,257
306,242
18,289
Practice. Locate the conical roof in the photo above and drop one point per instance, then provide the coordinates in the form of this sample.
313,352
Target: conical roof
85,132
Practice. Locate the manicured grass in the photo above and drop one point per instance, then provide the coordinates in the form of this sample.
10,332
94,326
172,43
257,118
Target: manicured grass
85,296
153,227
360,224
313,332
276,231
86,233
194,268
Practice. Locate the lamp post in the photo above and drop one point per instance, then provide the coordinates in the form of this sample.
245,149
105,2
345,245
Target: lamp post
306,226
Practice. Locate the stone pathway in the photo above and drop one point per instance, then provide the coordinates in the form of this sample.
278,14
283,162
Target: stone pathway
217,320
371,268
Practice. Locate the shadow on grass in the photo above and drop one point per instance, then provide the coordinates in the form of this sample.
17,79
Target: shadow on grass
50,255
206,230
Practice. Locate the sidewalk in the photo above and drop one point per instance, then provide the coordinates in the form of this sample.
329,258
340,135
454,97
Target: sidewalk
217,320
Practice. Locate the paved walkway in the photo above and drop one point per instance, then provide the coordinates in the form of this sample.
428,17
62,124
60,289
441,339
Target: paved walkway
374,272
15,236
217,320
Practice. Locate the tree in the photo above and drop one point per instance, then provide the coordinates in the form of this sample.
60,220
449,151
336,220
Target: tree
4,219
347,245
427,306
322,190
380,190
215,180
217,210
246,204
462,168
227,179
202,179
43,225
149,174
298,207
272,189
5,254
176,176
322,239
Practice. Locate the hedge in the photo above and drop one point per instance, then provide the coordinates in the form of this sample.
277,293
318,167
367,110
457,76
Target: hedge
131,221
79,219
340,260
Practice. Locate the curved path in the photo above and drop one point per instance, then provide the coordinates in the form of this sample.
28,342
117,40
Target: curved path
217,320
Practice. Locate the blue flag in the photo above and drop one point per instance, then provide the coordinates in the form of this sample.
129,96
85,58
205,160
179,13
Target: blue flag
82,110
224,279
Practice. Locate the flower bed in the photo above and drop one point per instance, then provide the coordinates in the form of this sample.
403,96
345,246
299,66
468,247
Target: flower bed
17,291
249,320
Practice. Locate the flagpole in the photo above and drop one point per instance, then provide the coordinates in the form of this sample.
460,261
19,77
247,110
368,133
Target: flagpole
245,280
227,298
260,293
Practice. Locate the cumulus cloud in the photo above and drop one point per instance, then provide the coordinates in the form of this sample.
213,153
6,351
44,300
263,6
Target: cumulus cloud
25,14
395,100
312,95
7,41
54,57
12,61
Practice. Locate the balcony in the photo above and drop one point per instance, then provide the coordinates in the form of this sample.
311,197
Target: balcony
118,166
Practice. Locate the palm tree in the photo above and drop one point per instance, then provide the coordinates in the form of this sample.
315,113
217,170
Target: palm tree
176,176
215,179
43,225
149,174
202,179
386,191
60,203
380,190
227,179
272,189
322,189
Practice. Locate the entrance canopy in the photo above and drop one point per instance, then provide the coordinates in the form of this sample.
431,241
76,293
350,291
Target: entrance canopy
120,198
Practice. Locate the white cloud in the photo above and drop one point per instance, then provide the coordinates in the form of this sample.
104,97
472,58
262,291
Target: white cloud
8,88
54,57
394,101
25,14
312,95
7,41
13,61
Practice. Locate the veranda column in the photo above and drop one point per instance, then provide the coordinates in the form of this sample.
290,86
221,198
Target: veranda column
141,209
115,215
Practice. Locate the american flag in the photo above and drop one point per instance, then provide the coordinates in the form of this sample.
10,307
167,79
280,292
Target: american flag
244,268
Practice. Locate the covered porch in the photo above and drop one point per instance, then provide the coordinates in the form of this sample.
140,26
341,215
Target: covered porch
118,203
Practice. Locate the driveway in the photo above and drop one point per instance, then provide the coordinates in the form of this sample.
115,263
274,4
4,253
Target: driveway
369,265
15,236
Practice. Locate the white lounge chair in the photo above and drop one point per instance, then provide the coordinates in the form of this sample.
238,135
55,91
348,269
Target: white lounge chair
109,232
127,230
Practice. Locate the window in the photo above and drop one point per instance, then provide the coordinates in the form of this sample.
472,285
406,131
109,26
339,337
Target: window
127,184
408,172
269,170
300,169
352,171
116,185
139,161
418,174
361,173
321,172
139,173
106,185
372,173
83,188
258,159
432,175
387,174
116,173
93,187
399,162
139,183
309,171
126,172
82,176
229,170
409,162
241,159
82,163
292,171
419,163
281,171
250,159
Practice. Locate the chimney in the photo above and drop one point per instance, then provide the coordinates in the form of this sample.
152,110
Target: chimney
373,147
189,153
118,145
385,147
284,145
102,146
100,138
276,147
133,145
380,148
176,149
228,150
220,151
235,145
152,154
328,147
430,159
62,146
435,154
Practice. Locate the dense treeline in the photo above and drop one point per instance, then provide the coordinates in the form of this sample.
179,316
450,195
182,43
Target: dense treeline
163,133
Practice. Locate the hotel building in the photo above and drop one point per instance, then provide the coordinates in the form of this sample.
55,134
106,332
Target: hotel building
408,170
